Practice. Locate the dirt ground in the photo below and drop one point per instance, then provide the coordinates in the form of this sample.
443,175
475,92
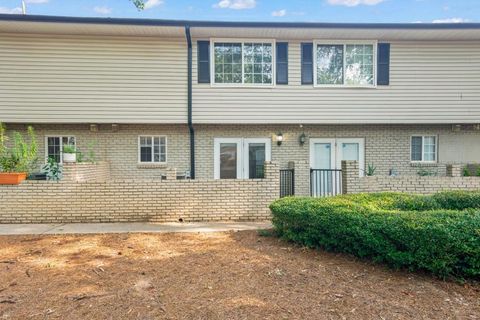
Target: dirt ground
236,275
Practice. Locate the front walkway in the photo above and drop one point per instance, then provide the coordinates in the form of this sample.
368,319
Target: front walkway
84,228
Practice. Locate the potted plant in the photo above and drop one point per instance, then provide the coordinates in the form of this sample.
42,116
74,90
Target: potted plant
69,153
20,159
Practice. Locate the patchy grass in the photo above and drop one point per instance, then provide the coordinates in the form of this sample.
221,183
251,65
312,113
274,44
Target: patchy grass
237,275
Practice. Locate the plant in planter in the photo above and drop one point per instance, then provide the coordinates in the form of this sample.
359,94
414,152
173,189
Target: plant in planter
52,170
18,161
69,153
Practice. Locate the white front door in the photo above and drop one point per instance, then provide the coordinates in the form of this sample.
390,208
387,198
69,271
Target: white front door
239,158
329,153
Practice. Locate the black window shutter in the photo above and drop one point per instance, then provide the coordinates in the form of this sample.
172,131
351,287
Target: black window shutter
307,63
203,61
383,64
282,62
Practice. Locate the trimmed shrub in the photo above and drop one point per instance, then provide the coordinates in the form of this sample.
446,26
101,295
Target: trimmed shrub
400,230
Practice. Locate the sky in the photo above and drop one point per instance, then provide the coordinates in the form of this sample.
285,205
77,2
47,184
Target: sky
406,11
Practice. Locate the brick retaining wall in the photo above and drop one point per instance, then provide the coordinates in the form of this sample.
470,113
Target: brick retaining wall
85,171
140,200
353,183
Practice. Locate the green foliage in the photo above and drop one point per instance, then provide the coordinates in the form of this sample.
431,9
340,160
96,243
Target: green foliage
22,156
426,172
466,172
140,4
400,230
370,170
52,169
69,148
91,156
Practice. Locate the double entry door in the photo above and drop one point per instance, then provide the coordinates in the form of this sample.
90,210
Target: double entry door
326,157
241,158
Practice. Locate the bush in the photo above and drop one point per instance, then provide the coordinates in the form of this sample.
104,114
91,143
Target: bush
400,230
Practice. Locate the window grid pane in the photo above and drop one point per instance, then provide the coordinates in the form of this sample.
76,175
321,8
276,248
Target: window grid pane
228,62
429,148
153,149
55,146
359,64
257,64
416,149
330,64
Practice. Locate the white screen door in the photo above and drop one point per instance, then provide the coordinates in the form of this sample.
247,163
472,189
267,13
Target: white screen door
239,158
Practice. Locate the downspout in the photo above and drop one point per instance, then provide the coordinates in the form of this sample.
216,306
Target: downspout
189,102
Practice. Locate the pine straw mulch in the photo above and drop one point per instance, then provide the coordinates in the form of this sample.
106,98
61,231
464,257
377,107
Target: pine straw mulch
235,275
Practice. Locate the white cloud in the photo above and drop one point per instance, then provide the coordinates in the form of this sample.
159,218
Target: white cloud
279,13
36,1
354,3
16,10
236,4
152,3
451,20
102,10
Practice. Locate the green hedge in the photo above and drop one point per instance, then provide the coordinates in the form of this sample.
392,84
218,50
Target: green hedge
400,230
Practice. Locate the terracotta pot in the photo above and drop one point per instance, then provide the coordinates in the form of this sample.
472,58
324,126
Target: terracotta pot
12,177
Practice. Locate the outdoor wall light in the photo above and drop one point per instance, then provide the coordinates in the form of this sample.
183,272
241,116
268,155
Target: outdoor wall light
94,128
279,138
302,139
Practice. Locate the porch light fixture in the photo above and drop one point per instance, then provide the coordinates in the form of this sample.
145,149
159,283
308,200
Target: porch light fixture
279,138
115,127
303,138
93,128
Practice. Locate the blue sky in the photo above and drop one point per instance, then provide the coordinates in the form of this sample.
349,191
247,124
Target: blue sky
262,10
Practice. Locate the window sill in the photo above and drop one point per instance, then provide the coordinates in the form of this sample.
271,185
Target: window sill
151,165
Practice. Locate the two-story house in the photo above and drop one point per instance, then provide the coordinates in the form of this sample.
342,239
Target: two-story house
217,99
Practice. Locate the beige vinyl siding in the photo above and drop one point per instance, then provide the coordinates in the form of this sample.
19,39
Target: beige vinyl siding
92,79
430,82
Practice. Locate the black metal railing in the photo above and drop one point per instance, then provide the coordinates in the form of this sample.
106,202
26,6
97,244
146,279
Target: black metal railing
287,182
325,182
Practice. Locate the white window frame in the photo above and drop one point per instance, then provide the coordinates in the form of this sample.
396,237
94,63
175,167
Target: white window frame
345,43
61,136
242,154
139,148
423,136
243,84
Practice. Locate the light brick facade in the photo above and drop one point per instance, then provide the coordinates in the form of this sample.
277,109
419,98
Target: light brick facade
386,146
84,172
353,183
140,200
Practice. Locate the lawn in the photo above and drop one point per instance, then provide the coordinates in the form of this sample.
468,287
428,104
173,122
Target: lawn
235,275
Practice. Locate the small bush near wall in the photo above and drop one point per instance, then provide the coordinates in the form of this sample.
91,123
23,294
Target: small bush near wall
439,233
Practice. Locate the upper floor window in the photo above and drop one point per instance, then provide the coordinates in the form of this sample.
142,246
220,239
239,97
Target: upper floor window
351,64
423,149
249,63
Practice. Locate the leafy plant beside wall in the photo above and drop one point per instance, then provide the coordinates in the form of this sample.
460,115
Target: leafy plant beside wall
17,161
53,170
427,172
370,170
22,156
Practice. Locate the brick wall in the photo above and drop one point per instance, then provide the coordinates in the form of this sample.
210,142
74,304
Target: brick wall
140,200
353,183
386,146
85,171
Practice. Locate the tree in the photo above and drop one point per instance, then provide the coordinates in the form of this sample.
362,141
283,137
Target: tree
140,4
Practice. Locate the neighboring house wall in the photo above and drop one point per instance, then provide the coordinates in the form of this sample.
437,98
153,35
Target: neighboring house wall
92,79
430,82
